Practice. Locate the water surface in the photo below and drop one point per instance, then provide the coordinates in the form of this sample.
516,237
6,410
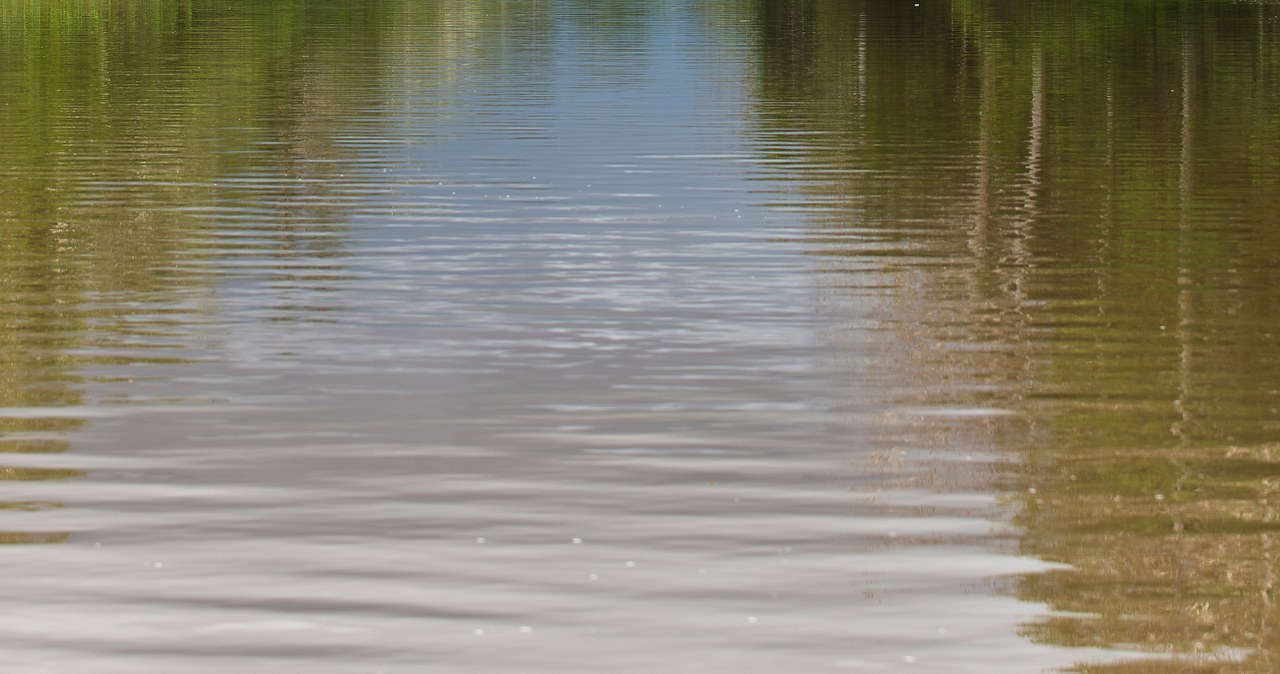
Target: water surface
639,336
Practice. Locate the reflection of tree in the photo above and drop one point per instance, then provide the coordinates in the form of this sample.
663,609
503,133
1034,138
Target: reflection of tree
1072,215
134,136
124,116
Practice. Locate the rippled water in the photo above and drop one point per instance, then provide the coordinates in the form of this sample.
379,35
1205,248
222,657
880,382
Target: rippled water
470,335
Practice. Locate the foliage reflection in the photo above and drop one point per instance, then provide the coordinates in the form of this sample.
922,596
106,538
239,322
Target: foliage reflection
1071,213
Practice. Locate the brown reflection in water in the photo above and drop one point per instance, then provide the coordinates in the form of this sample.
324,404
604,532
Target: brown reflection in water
33,445
31,537
31,474
1071,215
30,506
1173,550
141,144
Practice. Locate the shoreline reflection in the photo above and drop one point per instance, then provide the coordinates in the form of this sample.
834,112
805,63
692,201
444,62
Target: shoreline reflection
1070,214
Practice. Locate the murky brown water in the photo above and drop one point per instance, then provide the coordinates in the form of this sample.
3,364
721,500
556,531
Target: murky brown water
566,336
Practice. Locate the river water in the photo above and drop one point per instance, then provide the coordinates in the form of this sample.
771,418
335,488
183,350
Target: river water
569,336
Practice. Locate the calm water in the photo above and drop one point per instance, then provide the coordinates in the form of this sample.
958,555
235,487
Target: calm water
583,336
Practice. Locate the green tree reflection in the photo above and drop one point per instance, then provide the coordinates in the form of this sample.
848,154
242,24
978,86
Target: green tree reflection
133,135
1073,213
